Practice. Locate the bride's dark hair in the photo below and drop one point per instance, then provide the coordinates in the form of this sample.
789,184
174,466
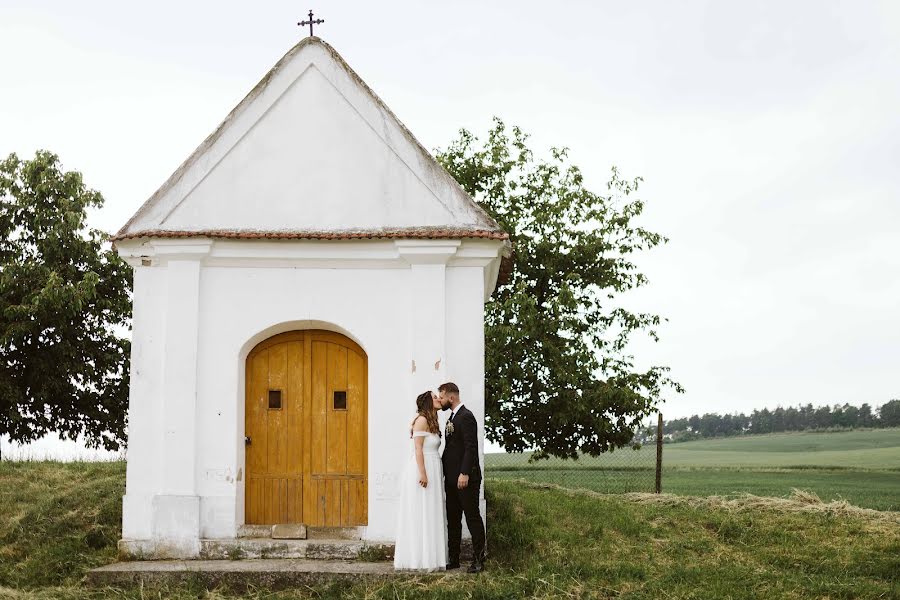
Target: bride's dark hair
425,408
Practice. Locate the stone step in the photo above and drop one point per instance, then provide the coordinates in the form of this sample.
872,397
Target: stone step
243,574
334,533
266,547
311,549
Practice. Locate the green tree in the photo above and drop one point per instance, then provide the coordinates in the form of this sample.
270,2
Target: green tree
823,418
889,414
559,378
63,294
866,418
675,425
694,422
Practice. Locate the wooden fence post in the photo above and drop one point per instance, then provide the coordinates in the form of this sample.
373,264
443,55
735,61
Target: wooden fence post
659,445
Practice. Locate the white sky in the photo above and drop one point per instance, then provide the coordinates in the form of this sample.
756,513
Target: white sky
768,133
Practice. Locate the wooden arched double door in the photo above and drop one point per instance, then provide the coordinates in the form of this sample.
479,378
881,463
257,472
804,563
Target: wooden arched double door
306,427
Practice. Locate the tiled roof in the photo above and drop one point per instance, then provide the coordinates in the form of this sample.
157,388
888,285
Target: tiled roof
421,233
418,233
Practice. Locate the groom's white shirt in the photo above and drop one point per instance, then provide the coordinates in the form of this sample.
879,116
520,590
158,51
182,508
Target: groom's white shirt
455,410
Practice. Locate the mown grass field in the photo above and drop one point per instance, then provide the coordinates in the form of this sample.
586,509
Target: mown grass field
862,467
61,519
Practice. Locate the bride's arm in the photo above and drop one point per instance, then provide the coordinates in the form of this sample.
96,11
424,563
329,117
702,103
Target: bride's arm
420,424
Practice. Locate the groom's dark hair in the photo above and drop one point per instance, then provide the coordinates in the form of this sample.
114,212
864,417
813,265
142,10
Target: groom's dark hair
449,388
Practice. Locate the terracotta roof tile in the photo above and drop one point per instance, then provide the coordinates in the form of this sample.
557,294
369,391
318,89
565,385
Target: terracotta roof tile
426,233
420,233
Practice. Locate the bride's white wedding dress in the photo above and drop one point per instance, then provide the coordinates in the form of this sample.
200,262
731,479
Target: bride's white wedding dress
422,518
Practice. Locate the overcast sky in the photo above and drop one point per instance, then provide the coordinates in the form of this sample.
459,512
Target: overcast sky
768,134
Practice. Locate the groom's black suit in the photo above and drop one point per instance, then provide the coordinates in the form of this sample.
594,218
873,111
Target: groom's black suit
461,457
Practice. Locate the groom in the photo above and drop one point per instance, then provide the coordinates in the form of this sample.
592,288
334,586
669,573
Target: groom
462,478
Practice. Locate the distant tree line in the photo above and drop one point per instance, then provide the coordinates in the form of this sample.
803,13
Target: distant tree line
801,418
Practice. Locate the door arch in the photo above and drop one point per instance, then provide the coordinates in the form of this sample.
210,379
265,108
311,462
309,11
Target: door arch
306,428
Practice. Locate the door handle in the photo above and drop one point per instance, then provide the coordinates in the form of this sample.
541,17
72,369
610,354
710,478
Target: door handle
247,440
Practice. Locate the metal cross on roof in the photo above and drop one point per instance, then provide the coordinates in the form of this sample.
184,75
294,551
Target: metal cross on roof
311,22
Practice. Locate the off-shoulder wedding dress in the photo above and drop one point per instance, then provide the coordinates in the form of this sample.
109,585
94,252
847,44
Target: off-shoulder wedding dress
422,517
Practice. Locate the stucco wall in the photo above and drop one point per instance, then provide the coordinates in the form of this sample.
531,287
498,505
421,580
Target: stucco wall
418,316
310,147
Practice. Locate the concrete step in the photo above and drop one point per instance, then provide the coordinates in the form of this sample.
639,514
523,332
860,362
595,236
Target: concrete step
311,549
244,548
334,533
243,574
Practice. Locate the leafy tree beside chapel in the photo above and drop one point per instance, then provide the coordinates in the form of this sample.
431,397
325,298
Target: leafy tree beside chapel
64,294
559,379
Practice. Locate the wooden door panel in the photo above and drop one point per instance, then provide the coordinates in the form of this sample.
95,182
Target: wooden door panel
351,502
356,413
256,412
333,503
336,434
310,499
294,507
307,461
318,407
321,486
294,402
345,501
276,423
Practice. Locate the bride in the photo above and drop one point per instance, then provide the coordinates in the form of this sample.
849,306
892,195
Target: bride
422,519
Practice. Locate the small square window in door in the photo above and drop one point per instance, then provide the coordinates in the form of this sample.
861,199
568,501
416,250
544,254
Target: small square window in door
340,400
274,399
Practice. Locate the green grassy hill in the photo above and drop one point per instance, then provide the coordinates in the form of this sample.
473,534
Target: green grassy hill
864,449
61,519
871,449
800,441
57,520
862,467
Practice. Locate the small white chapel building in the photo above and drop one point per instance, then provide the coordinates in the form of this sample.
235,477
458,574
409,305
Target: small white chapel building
298,281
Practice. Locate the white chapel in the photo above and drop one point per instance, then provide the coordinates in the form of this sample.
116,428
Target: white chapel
300,278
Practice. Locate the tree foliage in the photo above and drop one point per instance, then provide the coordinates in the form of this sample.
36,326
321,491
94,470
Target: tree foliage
559,378
889,414
779,419
63,294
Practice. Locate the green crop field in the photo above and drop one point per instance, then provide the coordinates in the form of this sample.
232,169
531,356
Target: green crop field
862,467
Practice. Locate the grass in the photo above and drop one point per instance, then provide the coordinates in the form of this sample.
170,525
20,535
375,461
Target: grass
801,441
879,490
63,519
871,489
863,449
862,467
57,520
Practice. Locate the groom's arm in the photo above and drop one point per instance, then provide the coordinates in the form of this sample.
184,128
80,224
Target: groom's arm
470,445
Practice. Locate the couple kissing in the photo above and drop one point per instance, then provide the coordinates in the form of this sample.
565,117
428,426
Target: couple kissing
437,489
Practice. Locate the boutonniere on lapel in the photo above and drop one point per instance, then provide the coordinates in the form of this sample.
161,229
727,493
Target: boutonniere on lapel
449,428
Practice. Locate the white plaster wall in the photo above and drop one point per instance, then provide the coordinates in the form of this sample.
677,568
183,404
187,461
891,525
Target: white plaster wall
369,306
311,148
465,347
400,313
330,169
144,464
